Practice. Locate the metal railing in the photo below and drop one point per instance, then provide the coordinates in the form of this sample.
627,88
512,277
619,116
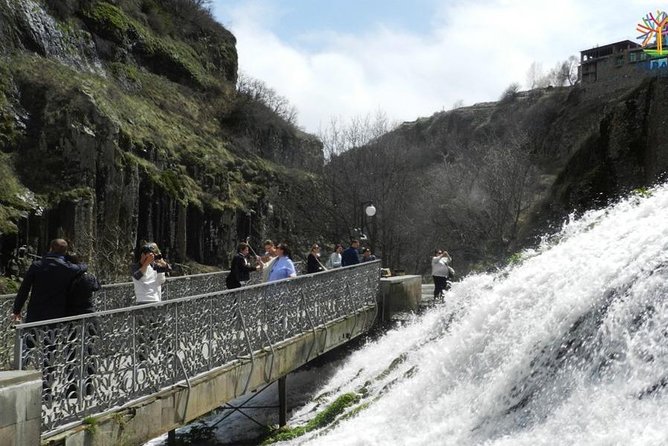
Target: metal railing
111,297
96,362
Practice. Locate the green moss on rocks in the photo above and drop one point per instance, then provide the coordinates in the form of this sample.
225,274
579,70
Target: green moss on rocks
111,23
15,199
323,419
72,195
160,125
9,133
172,59
7,286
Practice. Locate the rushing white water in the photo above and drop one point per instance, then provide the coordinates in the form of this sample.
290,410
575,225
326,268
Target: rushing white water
568,347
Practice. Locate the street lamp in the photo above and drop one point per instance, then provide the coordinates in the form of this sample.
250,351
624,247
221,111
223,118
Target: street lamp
369,211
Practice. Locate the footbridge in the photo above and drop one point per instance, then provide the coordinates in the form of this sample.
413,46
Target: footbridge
126,374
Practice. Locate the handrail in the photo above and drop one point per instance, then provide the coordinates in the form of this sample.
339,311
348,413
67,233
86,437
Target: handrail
112,296
92,363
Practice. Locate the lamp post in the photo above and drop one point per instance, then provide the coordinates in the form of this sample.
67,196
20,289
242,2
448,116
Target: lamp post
369,211
249,214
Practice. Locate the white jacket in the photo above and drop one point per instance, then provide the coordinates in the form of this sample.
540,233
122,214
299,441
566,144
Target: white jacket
439,266
148,288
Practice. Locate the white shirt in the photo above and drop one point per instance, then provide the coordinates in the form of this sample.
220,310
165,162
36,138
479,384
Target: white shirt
439,266
149,287
334,260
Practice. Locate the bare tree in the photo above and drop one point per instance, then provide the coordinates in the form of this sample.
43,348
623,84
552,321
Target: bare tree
510,93
340,136
459,103
366,164
535,75
564,73
257,90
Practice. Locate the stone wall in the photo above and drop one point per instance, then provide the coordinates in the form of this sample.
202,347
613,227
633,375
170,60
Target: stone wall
20,408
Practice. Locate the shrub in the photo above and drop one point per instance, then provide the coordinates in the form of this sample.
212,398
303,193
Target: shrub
510,93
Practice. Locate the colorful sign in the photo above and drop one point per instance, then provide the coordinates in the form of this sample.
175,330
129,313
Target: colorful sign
653,29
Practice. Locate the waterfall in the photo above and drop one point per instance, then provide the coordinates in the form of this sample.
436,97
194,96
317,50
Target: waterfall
569,346
62,41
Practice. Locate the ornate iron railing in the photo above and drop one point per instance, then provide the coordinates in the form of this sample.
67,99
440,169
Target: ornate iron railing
114,296
93,363
6,333
121,295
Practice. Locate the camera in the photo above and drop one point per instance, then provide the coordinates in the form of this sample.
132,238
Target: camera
157,256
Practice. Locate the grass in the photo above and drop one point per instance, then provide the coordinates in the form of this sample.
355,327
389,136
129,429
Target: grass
165,56
90,424
323,419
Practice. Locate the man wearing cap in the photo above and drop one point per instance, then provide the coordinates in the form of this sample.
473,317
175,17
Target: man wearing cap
148,274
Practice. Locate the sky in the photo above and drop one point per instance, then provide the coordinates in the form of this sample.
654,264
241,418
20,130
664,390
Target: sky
343,59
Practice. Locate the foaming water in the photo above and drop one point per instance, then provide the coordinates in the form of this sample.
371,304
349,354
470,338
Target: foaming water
568,347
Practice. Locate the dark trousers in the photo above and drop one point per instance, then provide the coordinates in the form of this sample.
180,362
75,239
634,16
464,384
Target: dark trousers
440,285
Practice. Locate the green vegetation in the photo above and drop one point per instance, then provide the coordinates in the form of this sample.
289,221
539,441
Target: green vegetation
515,258
133,109
14,198
164,56
642,192
324,418
161,120
8,286
90,424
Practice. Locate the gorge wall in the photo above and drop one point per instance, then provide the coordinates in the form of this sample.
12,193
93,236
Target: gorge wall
488,180
120,122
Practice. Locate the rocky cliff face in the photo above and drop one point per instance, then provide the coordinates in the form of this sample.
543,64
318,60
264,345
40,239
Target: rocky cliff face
114,128
487,180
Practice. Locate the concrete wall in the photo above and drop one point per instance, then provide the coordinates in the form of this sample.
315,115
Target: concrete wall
20,408
400,294
178,405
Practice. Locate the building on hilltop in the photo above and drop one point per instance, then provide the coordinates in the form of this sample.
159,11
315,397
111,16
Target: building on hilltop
619,62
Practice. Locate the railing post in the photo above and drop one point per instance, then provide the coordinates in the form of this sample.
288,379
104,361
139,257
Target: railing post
18,349
81,387
175,342
282,402
210,333
133,315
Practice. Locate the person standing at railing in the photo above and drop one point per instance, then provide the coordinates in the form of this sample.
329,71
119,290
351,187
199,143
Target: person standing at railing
351,255
241,268
367,256
80,301
47,281
440,270
335,258
313,264
148,274
268,259
283,268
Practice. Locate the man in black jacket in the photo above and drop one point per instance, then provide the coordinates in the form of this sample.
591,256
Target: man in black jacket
47,281
351,256
241,268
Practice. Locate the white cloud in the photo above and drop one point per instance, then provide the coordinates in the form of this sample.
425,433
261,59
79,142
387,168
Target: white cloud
469,51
